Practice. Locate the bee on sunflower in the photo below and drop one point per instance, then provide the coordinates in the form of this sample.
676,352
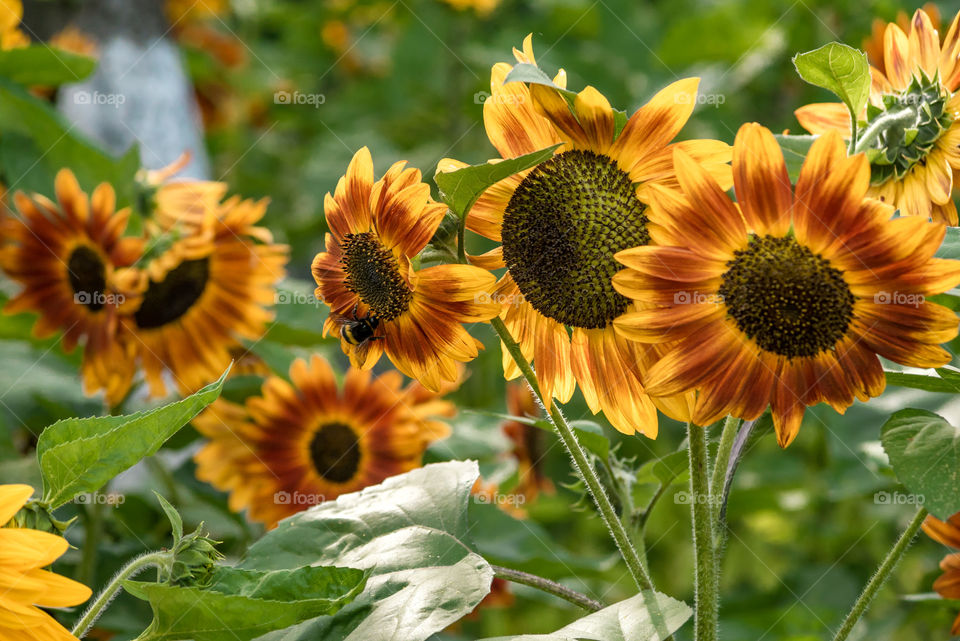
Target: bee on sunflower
26,585
560,223
306,441
379,302
787,297
915,161
74,264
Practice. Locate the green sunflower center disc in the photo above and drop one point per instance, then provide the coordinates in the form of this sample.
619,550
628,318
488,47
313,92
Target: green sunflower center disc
374,275
786,298
563,225
167,300
88,277
335,452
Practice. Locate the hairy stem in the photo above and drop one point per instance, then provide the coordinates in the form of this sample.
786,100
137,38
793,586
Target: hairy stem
131,569
707,600
730,427
883,573
546,585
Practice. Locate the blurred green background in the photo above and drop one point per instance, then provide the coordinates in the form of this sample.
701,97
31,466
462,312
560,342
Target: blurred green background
406,78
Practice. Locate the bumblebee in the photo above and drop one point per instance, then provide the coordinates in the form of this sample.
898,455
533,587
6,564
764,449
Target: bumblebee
359,331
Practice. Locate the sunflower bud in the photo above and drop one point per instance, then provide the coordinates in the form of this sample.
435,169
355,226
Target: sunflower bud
34,515
195,557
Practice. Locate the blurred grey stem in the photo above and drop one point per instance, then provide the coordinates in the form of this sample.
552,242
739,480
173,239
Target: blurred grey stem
733,462
546,585
139,93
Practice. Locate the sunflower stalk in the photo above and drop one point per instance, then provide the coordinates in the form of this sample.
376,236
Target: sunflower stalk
548,586
109,593
900,118
719,477
587,473
880,577
707,595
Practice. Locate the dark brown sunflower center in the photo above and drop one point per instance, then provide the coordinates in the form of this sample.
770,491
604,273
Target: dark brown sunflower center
786,298
335,451
374,275
167,300
563,225
88,277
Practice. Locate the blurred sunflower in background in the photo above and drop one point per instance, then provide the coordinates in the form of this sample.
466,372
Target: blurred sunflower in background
482,8
25,586
561,222
873,46
71,258
947,584
306,441
528,443
204,292
914,165
785,298
11,36
366,275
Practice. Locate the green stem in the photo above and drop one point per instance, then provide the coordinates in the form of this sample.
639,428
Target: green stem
461,240
890,119
92,531
131,569
548,586
722,462
883,573
853,132
580,461
707,598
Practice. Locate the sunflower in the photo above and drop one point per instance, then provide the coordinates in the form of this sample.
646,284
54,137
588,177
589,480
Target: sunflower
71,258
560,223
203,294
528,445
376,230
11,36
787,298
873,46
25,586
947,584
299,444
913,166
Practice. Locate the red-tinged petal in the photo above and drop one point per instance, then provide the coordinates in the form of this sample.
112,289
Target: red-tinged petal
654,125
761,181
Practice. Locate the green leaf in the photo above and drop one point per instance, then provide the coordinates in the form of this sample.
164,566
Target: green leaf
950,248
80,455
411,533
526,72
665,470
176,523
795,150
44,66
838,68
592,437
924,451
36,142
246,604
624,621
525,545
462,187
949,384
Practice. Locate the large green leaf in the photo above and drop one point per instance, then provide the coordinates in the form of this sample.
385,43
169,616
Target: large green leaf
36,142
838,68
80,455
948,383
924,451
625,621
795,150
461,188
245,604
43,65
410,532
